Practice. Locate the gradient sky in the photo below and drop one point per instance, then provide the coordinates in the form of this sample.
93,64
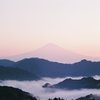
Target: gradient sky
26,25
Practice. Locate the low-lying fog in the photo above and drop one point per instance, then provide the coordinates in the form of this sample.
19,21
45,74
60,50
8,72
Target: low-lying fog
35,88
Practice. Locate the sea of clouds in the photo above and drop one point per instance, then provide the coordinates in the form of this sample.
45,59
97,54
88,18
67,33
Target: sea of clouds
35,88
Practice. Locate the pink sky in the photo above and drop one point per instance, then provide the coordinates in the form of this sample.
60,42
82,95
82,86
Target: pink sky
26,25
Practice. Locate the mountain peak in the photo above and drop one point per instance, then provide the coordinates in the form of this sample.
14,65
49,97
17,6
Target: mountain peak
84,61
51,45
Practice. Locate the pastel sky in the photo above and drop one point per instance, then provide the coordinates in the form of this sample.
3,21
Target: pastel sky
26,25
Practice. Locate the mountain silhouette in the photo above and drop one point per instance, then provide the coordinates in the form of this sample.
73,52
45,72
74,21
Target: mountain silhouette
90,97
45,68
5,62
10,93
10,73
84,83
52,52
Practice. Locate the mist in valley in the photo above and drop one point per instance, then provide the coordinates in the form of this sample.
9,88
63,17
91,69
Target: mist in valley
36,89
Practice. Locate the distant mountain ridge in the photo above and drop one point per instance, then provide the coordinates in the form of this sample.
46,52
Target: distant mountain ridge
45,68
6,62
53,69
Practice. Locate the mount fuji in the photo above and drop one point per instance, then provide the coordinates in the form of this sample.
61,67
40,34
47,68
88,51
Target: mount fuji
52,52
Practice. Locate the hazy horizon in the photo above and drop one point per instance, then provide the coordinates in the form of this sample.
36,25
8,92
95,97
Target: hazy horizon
54,53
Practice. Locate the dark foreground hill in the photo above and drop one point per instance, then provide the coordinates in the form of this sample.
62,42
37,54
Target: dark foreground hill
10,73
84,83
10,93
